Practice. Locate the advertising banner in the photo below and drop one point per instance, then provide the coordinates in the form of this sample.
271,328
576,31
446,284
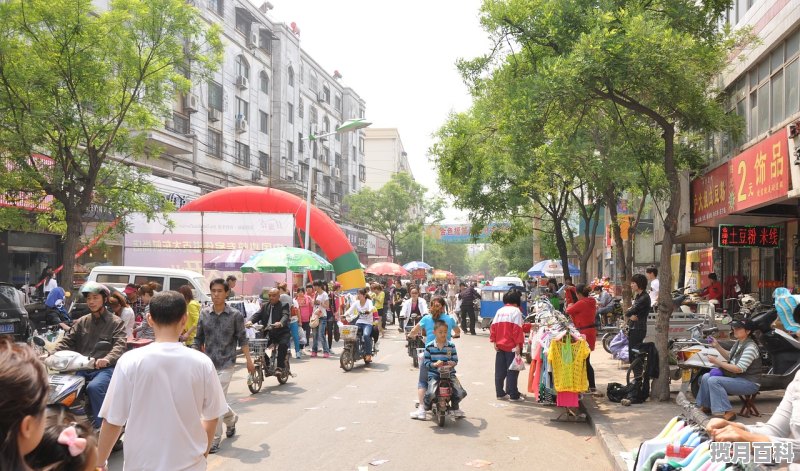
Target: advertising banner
760,174
710,195
460,233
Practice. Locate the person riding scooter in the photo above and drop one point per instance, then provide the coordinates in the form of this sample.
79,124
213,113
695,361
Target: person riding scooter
363,308
86,332
275,314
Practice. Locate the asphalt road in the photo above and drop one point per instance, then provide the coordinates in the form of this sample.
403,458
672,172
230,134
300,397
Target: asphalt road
325,418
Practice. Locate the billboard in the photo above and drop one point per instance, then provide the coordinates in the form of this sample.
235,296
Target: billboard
460,233
197,237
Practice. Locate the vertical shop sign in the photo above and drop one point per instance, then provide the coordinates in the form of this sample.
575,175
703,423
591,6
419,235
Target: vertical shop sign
710,195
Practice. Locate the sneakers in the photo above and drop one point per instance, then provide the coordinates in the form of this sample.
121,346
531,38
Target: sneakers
231,430
249,379
418,414
298,355
516,399
326,355
214,448
458,413
503,398
313,354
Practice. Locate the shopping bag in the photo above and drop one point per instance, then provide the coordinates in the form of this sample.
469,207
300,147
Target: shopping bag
314,322
518,364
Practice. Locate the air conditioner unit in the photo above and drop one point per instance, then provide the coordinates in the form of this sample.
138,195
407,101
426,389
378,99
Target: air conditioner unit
256,175
214,115
320,97
191,103
337,173
252,40
242,82
241,124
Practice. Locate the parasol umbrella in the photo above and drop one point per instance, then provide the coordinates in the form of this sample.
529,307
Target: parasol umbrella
416,265
386,269
230,260
280,259
552,268
442,275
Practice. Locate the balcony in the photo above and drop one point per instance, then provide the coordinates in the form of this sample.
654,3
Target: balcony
173,138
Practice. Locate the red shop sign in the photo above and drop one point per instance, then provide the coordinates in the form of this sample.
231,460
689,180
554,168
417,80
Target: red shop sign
710,195
761,173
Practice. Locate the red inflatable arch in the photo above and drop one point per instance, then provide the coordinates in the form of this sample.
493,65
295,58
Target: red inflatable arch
325,232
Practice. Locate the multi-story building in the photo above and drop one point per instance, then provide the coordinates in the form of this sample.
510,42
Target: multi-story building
747,198
385,156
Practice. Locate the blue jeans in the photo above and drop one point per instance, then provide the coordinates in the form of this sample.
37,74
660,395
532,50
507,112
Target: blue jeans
714,391
294,328
502,360
366,338
97,382
319,337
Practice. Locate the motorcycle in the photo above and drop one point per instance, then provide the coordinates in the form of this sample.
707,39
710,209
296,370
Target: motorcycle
413,344
780,355
258,351
69,389
440,402
354,346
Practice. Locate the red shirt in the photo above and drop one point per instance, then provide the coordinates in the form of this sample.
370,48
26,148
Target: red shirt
583,314
714,291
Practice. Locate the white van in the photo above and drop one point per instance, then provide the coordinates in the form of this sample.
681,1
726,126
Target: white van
168,278
508,281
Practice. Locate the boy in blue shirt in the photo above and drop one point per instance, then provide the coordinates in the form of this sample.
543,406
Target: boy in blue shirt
438,353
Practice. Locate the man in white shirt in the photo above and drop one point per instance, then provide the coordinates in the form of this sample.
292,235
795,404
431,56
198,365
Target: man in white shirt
167,396
652,277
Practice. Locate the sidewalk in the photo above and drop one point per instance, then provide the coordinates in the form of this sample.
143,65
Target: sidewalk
621,429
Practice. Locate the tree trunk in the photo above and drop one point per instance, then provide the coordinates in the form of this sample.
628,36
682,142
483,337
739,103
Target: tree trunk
660,389
619,250
72,239
561,244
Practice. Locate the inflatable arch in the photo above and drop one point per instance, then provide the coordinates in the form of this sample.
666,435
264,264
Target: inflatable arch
325,232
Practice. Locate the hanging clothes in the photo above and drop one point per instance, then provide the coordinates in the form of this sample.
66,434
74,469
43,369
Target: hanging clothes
568,357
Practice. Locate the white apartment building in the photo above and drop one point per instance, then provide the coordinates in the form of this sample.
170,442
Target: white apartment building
250,124
385,156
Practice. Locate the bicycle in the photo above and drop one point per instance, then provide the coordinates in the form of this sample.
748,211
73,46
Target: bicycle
258,351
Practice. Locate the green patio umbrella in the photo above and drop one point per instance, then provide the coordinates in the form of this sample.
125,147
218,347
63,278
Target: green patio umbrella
280,259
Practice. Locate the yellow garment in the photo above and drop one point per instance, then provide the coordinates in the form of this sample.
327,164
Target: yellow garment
192,316
378,298
568,358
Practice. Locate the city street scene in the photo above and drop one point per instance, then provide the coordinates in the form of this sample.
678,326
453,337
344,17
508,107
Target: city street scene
454,234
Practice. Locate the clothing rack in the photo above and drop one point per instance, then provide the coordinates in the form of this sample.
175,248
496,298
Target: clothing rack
570,414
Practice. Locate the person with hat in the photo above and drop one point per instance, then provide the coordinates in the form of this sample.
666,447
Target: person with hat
737,373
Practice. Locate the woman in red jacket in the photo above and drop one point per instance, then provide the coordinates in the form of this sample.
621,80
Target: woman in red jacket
583,316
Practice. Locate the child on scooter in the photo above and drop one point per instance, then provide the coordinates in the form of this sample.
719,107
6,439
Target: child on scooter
67,444
438,353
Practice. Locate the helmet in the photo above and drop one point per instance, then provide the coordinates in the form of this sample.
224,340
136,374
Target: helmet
96,288
749,302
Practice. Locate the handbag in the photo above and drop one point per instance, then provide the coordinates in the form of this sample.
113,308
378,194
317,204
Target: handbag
314,321
517,364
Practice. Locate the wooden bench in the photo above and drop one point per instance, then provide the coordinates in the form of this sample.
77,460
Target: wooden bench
749,406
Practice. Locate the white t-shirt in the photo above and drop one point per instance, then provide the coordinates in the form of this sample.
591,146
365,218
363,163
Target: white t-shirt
161,393
654,285
51,285
129,318
364,311
321,298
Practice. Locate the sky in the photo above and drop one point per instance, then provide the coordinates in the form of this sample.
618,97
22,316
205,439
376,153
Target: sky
399,56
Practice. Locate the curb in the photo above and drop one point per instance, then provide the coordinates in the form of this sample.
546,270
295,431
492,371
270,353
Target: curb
610,441
602,429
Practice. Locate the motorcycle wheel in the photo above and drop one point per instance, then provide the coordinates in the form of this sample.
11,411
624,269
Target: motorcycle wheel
440,416
607,338
695,384
258,380
415,359
636,363
346,360
283,377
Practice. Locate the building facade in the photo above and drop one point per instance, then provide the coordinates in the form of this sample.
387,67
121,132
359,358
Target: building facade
385,156
745,204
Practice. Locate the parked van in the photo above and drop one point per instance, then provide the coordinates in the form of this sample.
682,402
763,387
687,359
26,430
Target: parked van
169,278
508,281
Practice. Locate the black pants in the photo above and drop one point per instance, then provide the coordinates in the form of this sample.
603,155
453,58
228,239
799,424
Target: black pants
635,340
590,373
382,313
330,327
468,314
283,348
307,330
505,380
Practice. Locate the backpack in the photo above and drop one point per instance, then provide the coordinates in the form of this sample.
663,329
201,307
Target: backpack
637,391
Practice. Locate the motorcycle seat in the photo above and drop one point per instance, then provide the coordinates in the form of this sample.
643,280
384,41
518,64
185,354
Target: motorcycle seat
789,339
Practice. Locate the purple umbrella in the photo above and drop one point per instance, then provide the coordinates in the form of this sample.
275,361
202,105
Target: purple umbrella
230,260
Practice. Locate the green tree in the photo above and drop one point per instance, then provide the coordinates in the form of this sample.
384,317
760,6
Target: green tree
656,59
82,86
388,211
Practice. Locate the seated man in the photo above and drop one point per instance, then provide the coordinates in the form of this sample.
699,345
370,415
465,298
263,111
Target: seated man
99,325
439,353
275,314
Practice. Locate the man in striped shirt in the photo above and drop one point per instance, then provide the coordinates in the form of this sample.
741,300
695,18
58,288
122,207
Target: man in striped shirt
438,353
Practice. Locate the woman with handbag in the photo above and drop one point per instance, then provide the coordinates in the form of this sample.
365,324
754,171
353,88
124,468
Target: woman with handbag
583,316
319,320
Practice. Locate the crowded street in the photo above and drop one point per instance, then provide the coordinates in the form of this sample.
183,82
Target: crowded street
363,416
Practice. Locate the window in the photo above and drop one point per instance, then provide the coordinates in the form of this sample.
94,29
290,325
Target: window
299,143
338,160
776,84
290,150
291,76
763,109
179,124
338,135
362,173
361,144
300,106
313,82
265,40
217,6
242,108
326,155
242,23
263,81
303,172
354,183
215,96
337,103
242,156
361,113
326,124
312,113
290,113
355,157
792,78
175,283
215,143
263,163
263,122
242,67
326,92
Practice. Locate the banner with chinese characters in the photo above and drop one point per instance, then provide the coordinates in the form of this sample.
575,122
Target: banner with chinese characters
710,195
749,236
460,233
760,174
197,237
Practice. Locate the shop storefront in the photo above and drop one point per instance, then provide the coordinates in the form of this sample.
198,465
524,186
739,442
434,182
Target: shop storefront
752,220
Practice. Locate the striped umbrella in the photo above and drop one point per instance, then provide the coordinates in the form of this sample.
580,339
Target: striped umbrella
280,259
230,260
